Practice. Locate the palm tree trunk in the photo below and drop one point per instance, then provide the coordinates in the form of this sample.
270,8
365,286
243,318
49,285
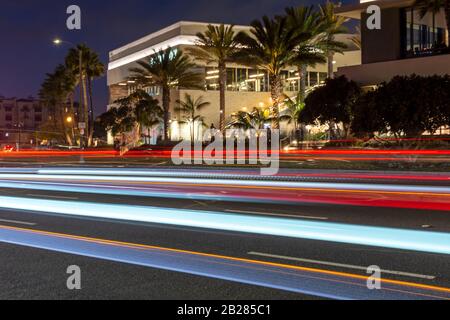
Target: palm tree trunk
64,129
275,92
302,75
330,65
447,17
91,112
85,107
166,107
222,88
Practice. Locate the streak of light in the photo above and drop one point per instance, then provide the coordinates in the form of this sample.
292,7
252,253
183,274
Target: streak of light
423,241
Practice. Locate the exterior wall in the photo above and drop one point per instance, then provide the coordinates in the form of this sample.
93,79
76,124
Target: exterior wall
388,38
24,116
235,101
375,73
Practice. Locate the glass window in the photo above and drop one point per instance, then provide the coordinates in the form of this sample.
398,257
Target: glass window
313,79
322,77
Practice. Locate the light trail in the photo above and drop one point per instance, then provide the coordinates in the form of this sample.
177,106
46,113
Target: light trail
432,242
244,174
234,189
281,185
311,281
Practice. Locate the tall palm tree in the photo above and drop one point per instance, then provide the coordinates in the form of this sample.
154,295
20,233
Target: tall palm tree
55,92
91,68
217,45
168,68
308,23
332,25
433,7
94,69
189,107
269,47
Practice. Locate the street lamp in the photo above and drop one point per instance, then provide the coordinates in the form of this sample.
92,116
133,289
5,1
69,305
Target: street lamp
58,41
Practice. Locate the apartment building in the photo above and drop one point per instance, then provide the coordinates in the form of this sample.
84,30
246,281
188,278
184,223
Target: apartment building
20,119
246,87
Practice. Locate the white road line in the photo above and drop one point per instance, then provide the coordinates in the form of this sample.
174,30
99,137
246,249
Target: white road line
51,197
340,265
19,222
276,214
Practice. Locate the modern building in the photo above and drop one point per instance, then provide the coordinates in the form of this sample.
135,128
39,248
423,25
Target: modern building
247,87
20,119
406,44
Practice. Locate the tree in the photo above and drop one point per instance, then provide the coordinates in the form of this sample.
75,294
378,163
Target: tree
168,68
91,68
332,25
294,109
309,26
55,92
270,47
434,7
405,106
332,104
251,120
217,45
134,112
189,108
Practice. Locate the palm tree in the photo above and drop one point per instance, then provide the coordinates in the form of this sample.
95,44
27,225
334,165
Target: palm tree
332,25
308,24
356,39
217,45
94,69
251,120
55,92
432,6
294,108
91,68
168,68
189,108
270,47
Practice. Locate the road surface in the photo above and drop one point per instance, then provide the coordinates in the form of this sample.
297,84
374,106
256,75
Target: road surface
159,235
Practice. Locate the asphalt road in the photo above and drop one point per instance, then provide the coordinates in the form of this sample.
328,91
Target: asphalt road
36,273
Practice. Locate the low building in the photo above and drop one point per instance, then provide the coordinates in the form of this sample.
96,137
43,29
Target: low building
406,44
247,87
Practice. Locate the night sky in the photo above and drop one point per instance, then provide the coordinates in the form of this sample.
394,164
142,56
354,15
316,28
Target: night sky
27,28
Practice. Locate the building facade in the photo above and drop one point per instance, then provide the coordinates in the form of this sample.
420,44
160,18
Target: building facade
247,88
406,44
20,120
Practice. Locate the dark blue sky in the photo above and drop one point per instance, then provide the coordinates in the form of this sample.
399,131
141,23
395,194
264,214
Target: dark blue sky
27,28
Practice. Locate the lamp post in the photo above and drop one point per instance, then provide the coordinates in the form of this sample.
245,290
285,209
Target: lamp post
57,42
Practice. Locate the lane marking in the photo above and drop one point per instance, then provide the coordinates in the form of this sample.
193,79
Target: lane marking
276,214
229,258
52,197
340,265
19,222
